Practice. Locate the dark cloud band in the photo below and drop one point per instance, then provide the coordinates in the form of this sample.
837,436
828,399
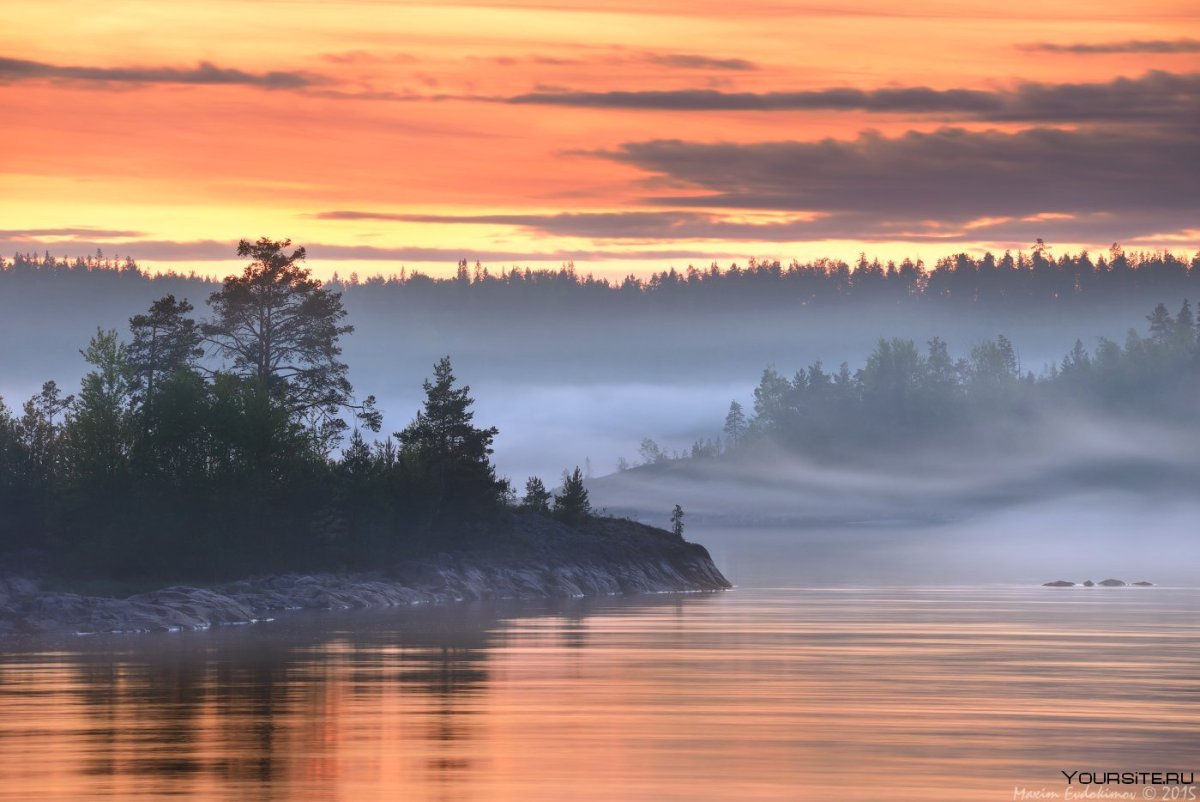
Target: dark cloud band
13,70
1086,185
1157,94
1151,46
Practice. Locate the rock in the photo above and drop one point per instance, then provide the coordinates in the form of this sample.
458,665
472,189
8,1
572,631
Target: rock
1089,584
1112,583
1143,584
603,557
1058,583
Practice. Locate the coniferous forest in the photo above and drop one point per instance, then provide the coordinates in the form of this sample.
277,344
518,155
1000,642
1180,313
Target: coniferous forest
905,395
234,443
228,439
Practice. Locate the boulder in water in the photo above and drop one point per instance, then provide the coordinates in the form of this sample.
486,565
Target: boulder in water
1059,583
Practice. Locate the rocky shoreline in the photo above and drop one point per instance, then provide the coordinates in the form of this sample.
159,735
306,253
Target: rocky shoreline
541,559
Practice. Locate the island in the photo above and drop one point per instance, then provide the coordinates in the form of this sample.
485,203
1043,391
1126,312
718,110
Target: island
219,470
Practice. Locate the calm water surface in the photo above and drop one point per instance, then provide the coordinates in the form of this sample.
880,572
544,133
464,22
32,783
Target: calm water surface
767,693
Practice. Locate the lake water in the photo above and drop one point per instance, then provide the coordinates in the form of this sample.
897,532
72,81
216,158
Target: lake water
759,693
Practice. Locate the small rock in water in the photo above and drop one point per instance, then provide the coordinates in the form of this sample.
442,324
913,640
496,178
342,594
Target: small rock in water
1112,583
1143,584
1059,583
1089,584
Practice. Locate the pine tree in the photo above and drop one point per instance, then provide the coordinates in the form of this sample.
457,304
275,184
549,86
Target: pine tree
572,503
1161,326
677,521
537,497
449,455
280,328
165,342
735,424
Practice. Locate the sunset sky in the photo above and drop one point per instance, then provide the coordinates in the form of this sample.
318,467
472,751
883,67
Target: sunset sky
626,136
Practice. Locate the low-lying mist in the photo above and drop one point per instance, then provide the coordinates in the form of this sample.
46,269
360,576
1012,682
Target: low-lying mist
1078,495
1097,535
1084,497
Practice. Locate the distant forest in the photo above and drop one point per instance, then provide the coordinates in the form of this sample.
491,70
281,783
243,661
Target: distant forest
906,396
1022,279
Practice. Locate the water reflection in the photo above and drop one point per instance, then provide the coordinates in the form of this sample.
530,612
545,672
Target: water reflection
757,694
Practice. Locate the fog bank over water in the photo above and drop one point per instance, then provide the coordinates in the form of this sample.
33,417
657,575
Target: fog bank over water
1088,536
1078,497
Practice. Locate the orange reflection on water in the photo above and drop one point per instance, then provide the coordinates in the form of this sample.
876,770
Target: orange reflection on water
892,694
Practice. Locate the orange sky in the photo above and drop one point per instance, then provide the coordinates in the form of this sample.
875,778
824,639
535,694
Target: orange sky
169,130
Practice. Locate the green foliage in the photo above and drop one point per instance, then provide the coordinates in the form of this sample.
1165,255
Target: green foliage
537,497
165,467
98,435
571,503
677,521
448,456
902,396
280,329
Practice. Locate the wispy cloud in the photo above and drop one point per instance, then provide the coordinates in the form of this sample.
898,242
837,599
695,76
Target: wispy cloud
215,250
205,73
68,233
1159,46
872,226
691,61
1155,94
627,225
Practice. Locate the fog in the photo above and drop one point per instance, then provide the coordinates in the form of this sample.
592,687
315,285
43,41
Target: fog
565,386
1076,537
1080,497
1096,498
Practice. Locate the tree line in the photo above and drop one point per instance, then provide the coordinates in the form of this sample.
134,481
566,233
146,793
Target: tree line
904,395
235,444
1023,278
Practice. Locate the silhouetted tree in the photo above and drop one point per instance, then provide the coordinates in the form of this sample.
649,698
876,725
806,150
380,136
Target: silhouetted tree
165,342
98,427
677,521
537,497
448,454
280,328
1162,327
38,431
571,503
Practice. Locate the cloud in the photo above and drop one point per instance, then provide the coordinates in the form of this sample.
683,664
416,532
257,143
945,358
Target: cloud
205,73
1159,95
215,250
673,226
694,62
1159,46
949,185
67,233
368,57
949,173
640,225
